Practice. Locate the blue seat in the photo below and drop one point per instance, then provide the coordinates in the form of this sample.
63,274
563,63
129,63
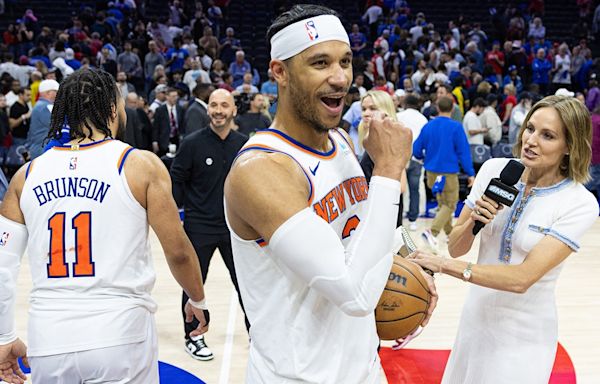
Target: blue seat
502,150
480,153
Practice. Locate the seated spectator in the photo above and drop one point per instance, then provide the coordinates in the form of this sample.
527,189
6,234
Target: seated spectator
269,90
194,73
229,45
227,82
216,72
246,86
209,42
536,29
238,68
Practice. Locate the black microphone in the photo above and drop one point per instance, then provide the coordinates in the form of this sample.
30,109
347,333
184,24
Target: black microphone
502,189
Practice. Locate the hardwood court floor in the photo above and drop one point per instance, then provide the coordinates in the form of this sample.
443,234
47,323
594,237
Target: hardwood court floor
578,298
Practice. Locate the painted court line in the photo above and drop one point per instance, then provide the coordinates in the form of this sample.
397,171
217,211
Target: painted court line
226,364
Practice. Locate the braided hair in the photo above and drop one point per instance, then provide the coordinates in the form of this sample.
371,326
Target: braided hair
85,100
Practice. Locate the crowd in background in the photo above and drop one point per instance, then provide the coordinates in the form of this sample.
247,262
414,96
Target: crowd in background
494,74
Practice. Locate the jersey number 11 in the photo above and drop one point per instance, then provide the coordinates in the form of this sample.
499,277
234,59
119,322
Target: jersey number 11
83,265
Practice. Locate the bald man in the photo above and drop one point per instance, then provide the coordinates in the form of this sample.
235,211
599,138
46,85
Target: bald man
198,173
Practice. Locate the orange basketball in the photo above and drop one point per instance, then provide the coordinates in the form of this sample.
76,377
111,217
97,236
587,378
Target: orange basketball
404,301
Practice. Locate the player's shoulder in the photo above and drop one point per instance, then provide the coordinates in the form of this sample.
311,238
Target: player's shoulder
251,161
264,170
141,162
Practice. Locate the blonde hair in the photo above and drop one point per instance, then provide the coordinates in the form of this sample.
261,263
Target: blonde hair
384,103
510,88
577,124
484,88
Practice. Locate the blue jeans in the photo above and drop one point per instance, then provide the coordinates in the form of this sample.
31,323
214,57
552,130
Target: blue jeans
413,176
594,184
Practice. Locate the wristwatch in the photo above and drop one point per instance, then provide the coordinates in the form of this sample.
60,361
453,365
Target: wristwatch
467,272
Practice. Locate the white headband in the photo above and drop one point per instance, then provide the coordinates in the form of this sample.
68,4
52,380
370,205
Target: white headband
303,34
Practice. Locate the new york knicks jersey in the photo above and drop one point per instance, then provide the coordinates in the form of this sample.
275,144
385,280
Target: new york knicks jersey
297,333
88,251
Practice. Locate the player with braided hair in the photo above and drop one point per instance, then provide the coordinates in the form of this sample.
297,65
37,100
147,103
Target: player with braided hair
88,101
83,209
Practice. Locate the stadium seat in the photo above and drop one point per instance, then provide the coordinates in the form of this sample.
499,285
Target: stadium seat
502,150
480,153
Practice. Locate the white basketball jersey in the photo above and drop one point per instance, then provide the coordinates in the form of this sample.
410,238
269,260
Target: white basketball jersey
296,333
88,251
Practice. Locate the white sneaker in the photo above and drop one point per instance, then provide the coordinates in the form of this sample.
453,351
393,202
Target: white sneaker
412,226
429,238
197,348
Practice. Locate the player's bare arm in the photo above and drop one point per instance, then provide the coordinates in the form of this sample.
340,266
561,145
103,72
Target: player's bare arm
151,187
10,352
276,189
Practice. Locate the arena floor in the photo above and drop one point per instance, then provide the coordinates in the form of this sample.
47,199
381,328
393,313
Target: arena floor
577,297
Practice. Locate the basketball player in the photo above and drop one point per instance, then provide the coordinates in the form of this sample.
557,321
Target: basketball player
83,210
312,252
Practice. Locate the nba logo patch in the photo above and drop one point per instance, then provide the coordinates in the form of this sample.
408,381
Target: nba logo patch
345,148
73,163
311,30
4,238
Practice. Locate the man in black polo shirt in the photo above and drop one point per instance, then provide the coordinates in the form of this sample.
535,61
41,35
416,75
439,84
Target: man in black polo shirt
198,172
19,117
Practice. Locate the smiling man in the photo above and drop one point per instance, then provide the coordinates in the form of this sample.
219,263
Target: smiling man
312,242
198,173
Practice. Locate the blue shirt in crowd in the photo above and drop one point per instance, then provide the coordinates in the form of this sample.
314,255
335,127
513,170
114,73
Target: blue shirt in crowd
541,71
444,146
180,56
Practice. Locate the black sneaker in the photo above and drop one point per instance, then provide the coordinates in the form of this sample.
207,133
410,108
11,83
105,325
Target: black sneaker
197,348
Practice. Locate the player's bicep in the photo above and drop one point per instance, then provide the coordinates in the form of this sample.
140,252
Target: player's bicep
163,215
151,186
262,192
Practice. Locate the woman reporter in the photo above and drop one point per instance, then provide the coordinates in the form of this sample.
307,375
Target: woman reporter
508,329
